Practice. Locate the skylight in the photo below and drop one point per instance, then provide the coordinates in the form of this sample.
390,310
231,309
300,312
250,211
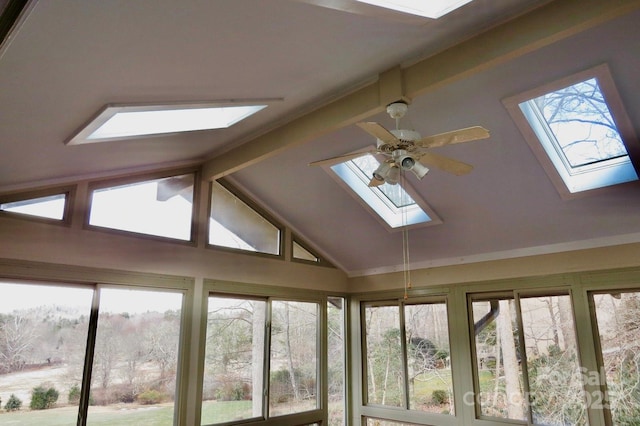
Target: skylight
433,9
580,133
392,203
123,122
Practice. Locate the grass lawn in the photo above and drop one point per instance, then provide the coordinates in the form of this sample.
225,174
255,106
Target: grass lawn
221,411
148,415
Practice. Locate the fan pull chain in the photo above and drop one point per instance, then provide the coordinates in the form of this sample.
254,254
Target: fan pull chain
405,260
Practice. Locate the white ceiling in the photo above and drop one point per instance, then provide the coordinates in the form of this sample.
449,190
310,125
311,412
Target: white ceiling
66,59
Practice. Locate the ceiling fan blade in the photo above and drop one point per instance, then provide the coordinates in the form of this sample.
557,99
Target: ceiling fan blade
446,164
456,136
340,158
378,131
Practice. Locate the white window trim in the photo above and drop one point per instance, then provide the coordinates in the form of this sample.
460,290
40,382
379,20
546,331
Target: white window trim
586,179
383,210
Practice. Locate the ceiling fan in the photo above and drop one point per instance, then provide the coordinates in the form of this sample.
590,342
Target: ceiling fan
406,150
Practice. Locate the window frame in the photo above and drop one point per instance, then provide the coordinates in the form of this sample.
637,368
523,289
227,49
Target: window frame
236,192
623,123
420,203
69,192
321,261
78,277
275,293
402,413
517,295
141,178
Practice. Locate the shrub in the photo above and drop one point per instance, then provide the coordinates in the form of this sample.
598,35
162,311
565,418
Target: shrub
439,397
74,394
150,397
233,391
13,403
42,399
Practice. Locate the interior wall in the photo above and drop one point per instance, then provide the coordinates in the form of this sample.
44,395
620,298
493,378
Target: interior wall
77,245
602,258
27,240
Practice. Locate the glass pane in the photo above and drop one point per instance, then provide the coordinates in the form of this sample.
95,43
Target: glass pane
367,164
380,422
385,377
135,362
302,253
234,360
555,382
498,359
427,333
51,207
161,207
618,318
582,124
43,336
234,224
293,378
336,355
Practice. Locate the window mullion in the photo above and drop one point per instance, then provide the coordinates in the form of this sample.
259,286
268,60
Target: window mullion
523,358
85,389
267,360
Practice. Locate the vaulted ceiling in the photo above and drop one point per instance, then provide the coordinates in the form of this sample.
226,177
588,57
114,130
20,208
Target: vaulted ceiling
326,68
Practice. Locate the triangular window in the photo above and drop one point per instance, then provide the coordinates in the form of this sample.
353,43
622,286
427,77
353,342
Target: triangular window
53,205
237,223
302,252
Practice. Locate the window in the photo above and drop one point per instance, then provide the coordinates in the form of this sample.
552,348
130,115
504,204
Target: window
233,223
293,383
579,131
380,422
116,122
136,355
238,344
49,204
618,315
407,356
301,253
336,330
396,205
44,333
161,207
430,9
234,360
43,337
526,359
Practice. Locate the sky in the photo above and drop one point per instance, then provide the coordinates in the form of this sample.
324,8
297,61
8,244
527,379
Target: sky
23,296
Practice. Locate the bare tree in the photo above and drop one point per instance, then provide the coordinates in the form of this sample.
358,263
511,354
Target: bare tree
18,335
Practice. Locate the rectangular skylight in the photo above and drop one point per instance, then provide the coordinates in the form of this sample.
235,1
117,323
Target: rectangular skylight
117,122
433,9
392,203
579,130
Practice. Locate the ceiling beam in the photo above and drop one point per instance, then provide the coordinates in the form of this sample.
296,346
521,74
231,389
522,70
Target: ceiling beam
541,27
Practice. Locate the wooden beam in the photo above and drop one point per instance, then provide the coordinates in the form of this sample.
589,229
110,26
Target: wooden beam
541,27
